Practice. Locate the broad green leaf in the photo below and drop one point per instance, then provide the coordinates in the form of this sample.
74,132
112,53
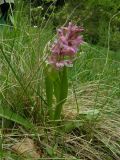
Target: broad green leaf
90,114
50,151
51,76
10,115
57,90
64,85
63,91
69,126
52,73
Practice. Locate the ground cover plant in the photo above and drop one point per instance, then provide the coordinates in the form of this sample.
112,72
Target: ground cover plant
44,116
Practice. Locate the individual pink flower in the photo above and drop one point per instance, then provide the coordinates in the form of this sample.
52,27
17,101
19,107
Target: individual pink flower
66,46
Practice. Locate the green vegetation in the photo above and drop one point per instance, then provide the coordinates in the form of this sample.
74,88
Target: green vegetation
89,127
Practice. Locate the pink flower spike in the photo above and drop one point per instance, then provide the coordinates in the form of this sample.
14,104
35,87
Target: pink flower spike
66,46
55,48
64,63
76,42
68,63
69,51
63,40
60,64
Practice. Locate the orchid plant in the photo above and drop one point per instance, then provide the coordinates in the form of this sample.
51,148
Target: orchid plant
63,52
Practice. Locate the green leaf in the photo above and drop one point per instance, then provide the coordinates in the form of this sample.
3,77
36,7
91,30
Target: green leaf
69,126
63,92
64,85
12,20
54,76
10,115
90,114
57,90
50,151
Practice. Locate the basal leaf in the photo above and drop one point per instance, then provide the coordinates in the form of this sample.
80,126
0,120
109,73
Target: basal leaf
10,115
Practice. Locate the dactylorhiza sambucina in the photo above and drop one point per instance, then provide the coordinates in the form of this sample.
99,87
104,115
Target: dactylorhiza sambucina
65,47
